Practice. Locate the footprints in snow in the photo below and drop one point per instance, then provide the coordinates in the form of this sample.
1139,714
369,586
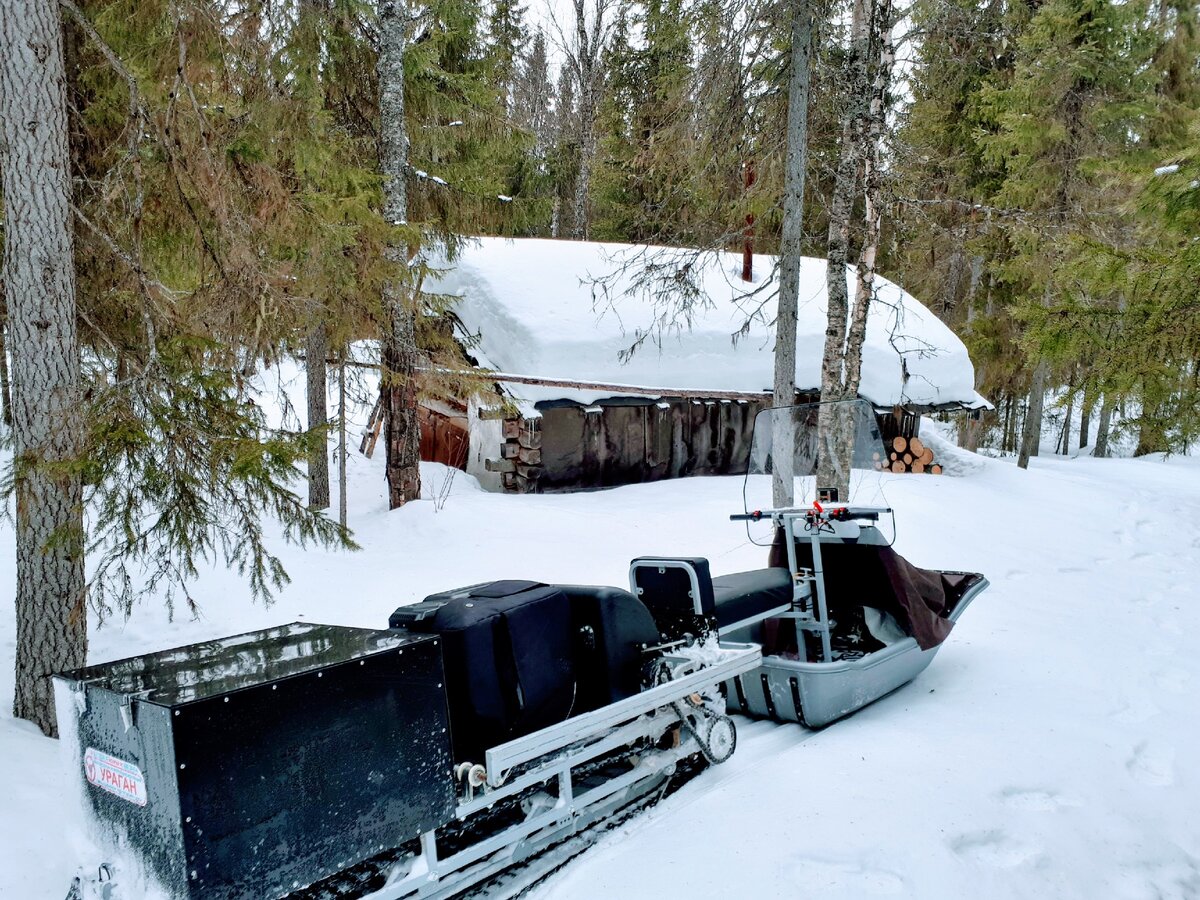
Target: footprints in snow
1134,712
995,849
1035,801
1173,680
1152,764
851,879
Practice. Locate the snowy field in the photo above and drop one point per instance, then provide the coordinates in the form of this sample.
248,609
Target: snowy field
1051,750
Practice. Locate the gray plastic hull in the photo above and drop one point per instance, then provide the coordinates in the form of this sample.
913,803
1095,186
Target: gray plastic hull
816,694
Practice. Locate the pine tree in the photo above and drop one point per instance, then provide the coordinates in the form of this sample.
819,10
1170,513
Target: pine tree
507,37
39,278
564,164
644,184
1069,105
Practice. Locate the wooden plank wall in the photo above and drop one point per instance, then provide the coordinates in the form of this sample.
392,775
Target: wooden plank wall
612,445
443,437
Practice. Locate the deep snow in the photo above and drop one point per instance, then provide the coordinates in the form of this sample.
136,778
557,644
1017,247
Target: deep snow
568,309
1049,751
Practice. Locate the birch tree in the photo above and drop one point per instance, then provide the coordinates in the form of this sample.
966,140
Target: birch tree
784,437
400,353
39,275
841,362
584,55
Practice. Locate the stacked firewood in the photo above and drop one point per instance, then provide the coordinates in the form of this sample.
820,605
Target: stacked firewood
908,455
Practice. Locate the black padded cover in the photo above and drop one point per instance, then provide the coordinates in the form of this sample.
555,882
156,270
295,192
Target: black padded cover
611,629
747,594
858,575
509,662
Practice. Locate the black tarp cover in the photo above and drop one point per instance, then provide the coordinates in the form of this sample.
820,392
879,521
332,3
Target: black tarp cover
872,575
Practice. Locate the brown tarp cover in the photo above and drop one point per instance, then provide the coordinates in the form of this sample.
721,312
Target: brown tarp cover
859,575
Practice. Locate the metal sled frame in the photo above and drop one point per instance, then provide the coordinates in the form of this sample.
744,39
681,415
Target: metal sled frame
553,754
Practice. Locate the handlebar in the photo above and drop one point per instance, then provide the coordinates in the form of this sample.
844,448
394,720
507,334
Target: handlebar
747,517
840,513
849,512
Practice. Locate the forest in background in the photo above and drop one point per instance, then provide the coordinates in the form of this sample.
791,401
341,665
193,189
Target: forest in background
1039,177
254,179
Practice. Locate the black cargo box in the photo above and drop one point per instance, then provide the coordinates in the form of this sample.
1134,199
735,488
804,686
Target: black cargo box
250,766
509,659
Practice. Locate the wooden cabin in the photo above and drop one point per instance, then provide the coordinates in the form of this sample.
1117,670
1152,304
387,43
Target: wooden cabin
597,384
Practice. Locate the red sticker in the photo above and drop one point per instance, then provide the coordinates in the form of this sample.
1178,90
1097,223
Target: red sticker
114,775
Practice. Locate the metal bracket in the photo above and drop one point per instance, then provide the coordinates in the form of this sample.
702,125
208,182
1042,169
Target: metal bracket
126,709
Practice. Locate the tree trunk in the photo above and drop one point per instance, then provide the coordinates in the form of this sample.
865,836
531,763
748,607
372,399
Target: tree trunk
343,501
1064,443
1031,431
315,351
587,69
969,429
830,470
1085,416
39,274
783,438
1106,411
1008,416
872,157
584,179
398,383
1152,436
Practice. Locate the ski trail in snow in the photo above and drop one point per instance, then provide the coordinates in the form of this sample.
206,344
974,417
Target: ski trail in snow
825,877
1036,800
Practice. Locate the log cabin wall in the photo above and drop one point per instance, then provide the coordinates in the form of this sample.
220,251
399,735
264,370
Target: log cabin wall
631,442
570,447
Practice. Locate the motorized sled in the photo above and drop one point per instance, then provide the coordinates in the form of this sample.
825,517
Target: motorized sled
499,722
485,726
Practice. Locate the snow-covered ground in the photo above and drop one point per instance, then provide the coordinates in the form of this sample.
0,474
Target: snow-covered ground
1051,750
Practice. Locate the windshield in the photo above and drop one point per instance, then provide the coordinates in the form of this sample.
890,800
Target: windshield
853,462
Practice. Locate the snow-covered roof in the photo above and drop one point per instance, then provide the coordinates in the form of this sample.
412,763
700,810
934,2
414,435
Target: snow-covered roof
537,310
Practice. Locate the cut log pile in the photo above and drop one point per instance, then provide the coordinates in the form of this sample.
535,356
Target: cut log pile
907,455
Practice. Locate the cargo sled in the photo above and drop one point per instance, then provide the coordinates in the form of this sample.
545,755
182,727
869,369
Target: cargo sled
842,619
485,726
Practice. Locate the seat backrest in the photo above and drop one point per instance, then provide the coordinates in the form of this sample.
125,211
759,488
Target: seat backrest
611,629
678,592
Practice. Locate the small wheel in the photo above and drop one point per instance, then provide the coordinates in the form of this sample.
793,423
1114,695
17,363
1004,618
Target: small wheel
720,740
658,672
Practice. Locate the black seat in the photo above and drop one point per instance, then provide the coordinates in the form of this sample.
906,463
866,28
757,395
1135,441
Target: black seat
678,592
745,595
